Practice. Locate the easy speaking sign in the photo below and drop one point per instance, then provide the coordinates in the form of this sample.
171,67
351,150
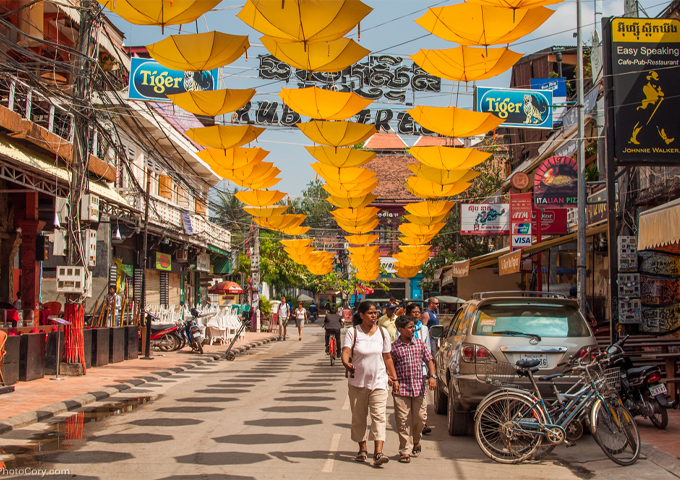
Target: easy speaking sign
151,81
519,108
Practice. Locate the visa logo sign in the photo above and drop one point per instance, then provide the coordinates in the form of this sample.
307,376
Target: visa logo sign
521,240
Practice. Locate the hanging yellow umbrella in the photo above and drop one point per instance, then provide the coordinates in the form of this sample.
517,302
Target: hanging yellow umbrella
341,157
427,189
355,214
362,221
266,211
260,198
233,158
336,134
323,104
299,250
159,12
515,3
449,158
333,56
261,183
426,220
416,239
363,251
295,230
361,239
407,272
319,270
212,102
466,64
362,228
411,260
367,277
343,176
429,208
224,136
257,171
417,250
454,121
296,243
443,177
470,24
198,52
280,221
355,191
411,230
352,202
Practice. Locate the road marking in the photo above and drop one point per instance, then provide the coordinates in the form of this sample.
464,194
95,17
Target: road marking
346,404
335,443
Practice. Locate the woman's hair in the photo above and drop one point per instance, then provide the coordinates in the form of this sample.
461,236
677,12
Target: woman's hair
411,307
363,308
402,321
333,309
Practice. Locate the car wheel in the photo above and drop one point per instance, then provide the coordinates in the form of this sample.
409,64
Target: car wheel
457,423
439,400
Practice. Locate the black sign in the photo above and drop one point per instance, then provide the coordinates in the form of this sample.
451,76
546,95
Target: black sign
556,183
645,55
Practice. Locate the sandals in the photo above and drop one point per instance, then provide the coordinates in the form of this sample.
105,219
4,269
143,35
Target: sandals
361,456
416,450
379,459
404,459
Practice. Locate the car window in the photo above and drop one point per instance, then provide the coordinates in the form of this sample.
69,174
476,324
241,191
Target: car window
453,326
461,328
546,320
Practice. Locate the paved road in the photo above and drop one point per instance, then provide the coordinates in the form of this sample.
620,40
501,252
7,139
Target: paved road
281,412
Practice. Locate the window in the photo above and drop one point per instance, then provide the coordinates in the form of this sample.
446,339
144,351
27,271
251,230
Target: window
546,320
453,326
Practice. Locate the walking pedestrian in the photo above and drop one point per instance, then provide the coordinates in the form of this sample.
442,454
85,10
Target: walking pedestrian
333,324
387,321
300,318
410,408
430,319
283,314
366,356
421,333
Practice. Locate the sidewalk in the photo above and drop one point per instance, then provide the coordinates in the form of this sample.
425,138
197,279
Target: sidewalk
668,440
41,399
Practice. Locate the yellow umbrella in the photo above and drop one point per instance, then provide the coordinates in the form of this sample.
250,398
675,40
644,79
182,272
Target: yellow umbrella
296,243
295,230
280,221
233,158
212,102
343,176
426,220
429,208
361,239
300,250
333,56
223,136
466,64
323,104
407,272
470,24
336,134
415,250
411,260
449,158
454,121
363,228
416,239
198,51
363,251
260,198
159,12
355,214
361,221
355,191
257,171
266,211
443,177
411,230
515,3
427,189
352,202
367,277
260,183
302,20
341,157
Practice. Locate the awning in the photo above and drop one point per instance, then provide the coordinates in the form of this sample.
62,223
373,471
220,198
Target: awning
659,226
217,250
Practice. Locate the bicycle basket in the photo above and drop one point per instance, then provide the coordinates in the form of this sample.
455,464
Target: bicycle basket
497,373
612,379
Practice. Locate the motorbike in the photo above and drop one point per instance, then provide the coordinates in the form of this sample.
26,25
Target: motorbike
641,390
193,331
164,337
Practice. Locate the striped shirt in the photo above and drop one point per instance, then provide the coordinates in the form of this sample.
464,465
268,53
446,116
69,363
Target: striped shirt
408,362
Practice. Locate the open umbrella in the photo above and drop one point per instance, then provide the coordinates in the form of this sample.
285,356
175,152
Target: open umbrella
367,277
407,272
336,134
334,56
355,214
212,102
515,4
360,190
295,230
266,212
359,228
260,198
449,299
411,260
443,177
454,121
410,230
449,158
233,158
415,250
416,239
297,243
198,51
344,176
341,157
363,251
260,183
352,202
323,104
279,222
466,64
224,136
361,239
427,221
249,173
429,208
159,12
423,188
225,287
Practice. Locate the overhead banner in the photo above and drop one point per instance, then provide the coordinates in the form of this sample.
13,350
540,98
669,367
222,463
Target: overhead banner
556,183
646,93
485,219
558,87
150,81
518,107
510,263
520,220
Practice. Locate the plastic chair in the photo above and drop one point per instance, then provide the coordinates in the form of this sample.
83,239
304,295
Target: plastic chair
53,307
3,339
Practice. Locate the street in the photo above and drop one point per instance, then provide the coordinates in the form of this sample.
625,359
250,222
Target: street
279,412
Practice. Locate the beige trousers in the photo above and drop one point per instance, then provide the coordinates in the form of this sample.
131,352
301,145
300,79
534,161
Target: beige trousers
363,401
411,415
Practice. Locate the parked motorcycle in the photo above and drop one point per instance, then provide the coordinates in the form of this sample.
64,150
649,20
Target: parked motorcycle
193,331
164,337
641,390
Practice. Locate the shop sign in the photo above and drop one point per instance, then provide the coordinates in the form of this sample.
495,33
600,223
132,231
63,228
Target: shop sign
461,269
203,262
519,180
485,219
510,263
151,81
447,278
163,261
520,108
644,56
186,223
556,183
520,220
128,270
553,221
596,212
437,274
558,87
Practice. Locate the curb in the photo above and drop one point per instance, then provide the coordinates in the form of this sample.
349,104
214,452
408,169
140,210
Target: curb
662,459
48,411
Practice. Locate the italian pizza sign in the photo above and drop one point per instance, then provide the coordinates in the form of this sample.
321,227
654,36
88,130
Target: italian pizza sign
556,183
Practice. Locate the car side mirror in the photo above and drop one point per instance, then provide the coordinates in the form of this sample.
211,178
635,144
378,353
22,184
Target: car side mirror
437,331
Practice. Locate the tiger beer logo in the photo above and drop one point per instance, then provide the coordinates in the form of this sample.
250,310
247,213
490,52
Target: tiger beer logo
149,80
519,108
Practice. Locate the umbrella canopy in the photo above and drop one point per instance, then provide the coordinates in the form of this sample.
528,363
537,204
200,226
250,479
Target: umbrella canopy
279,222
514,4
429,208
361,239
449,299
260,183
466,64
305,298
415,250
449,158
334,56
411,259
359,228
416,239
225,287
443,177
426,220
223,136
367,277
411,230
233,158
255,172
212,102
336,134
260,198
198,51
295,230
355,191
341,157
454,121
352,202
323,104
297,243
343,176
427,189
363,251
355,214
407,272
266,211
470,24
160,12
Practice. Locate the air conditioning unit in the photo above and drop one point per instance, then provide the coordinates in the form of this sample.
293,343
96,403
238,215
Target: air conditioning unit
59,243
89,208
71,279
90,247
182,255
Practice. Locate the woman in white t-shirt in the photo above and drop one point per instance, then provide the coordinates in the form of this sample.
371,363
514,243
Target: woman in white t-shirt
300,318
370,372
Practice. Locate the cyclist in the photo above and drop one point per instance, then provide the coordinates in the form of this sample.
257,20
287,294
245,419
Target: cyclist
333,324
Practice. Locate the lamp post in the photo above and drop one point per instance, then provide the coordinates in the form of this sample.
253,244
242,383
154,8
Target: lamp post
581,213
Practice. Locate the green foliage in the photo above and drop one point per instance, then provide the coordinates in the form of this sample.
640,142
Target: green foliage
230,215
592,173
313,204
265,306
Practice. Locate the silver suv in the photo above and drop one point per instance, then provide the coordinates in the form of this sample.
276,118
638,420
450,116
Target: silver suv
502,327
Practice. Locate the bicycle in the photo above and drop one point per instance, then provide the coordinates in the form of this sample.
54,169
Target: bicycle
332,349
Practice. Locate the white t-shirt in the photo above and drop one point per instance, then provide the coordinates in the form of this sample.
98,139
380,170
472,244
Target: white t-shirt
368,358
300,313
283,310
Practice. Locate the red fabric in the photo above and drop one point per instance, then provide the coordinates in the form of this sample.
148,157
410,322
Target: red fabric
74,344
12,315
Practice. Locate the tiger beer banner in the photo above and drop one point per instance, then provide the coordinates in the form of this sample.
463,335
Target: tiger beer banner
518,107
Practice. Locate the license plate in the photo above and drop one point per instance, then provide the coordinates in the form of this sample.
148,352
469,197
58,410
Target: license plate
657,390
537,356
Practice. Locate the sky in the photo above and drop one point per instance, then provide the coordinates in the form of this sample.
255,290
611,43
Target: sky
388,29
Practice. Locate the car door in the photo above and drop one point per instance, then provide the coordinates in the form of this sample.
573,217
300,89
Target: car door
446,349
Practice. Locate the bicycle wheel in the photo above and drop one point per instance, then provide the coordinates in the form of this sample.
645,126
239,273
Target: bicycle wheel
499,433
331,350
615,431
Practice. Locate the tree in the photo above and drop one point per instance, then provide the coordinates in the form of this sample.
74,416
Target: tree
313,204
230,215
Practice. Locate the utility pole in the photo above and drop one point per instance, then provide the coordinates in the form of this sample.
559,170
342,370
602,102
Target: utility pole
581,214
142,266
255,277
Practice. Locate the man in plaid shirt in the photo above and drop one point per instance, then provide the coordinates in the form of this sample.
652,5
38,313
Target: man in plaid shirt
410,409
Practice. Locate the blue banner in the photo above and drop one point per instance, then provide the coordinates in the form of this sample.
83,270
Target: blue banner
151,81
556,85
519,108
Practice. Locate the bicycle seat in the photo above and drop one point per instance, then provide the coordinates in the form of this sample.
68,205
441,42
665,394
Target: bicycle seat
547,378
526,363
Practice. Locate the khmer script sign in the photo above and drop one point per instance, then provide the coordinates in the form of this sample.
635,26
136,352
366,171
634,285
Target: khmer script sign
485,219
